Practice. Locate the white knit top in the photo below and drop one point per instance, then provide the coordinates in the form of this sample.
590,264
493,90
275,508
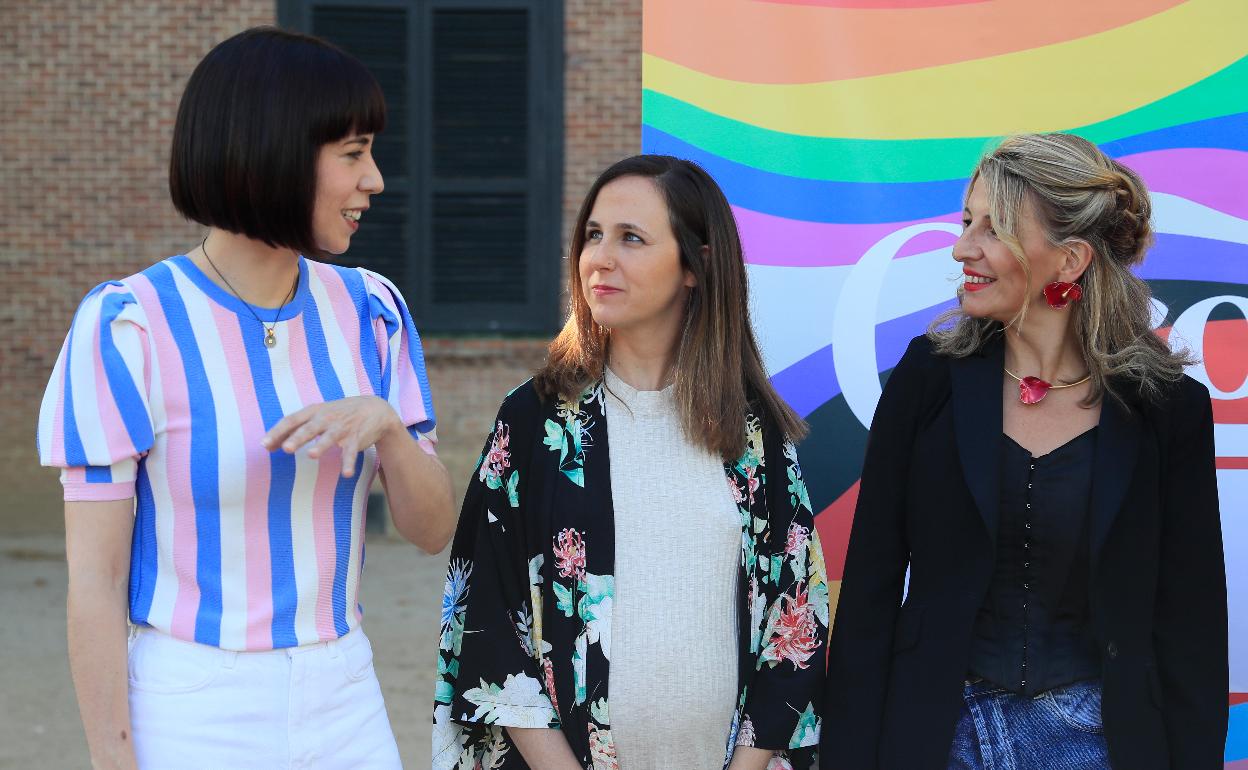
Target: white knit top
673,676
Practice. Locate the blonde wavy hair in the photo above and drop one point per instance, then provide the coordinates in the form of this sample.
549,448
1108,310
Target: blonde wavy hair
1077,194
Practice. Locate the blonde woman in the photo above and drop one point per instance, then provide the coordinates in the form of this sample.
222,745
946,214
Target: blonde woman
1046,472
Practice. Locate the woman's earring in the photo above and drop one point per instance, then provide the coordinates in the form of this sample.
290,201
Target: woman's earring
1059,294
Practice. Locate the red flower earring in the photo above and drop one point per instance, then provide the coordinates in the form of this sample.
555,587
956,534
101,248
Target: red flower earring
1059,294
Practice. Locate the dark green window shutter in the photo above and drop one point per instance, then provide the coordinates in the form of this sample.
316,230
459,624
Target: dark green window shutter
469,223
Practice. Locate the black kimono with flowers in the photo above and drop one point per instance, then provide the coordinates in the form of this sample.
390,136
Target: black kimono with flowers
526,612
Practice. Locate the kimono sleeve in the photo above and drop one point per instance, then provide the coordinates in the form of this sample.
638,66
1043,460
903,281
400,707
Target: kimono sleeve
490,669
95,419
404,382
784,700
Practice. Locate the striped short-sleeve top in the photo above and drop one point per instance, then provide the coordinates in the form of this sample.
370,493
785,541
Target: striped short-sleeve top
162,392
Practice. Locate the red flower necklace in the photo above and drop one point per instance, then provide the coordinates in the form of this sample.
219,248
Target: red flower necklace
1032,390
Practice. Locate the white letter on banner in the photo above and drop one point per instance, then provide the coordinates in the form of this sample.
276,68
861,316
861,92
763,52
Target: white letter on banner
853,325
1190,327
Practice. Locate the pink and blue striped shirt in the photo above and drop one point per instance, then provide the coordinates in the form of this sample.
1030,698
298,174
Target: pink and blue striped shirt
162,392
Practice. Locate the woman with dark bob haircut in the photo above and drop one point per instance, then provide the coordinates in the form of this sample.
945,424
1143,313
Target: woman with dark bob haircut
219,418
636,581
1045,470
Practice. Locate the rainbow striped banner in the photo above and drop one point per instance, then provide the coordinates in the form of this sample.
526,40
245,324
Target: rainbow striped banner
844,133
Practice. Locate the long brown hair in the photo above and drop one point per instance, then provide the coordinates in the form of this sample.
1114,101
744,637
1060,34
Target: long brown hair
719,373
1079,194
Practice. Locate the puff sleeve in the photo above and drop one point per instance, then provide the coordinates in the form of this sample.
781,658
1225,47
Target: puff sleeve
404,382
95,420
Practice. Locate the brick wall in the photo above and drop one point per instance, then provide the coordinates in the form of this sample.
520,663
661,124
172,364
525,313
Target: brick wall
89,98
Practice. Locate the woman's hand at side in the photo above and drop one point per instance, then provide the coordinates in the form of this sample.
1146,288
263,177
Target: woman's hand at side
750,758
544,747
418,488
97,549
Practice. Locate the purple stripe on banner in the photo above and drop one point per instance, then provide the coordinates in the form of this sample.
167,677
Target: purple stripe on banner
811,382
1210,177
772,240
1187,258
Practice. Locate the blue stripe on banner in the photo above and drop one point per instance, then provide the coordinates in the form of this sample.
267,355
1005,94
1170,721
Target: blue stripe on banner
204,482
281,491
1189,258
143,549
1237,734
811,382
99,474
344,492
75,453
120,382
815,200
1229,132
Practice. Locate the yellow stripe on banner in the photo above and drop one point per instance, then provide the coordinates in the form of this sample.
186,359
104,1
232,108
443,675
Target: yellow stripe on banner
1056,87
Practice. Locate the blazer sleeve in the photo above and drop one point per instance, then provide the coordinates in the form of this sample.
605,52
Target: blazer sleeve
860,653
1190,630
490,656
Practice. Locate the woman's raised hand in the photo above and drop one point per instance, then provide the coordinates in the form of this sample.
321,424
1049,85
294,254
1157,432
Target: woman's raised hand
352,424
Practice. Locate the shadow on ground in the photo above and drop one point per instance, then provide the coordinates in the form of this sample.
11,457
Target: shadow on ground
402,591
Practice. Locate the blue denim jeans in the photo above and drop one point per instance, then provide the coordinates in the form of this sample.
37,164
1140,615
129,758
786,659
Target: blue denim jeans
1057,730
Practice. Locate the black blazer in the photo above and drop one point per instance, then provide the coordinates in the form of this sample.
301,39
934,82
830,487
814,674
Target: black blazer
929,499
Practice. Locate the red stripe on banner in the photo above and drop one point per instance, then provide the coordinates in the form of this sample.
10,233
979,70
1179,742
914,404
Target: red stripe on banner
834,523
1238,698
1221,463
1226,343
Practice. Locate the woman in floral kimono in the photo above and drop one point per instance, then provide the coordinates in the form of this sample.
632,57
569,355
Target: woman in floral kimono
663,603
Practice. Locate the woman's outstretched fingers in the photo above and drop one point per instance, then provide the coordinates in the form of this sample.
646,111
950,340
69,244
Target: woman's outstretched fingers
279,433
350,451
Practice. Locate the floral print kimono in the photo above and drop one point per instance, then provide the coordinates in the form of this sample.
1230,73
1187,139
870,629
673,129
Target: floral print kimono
526,611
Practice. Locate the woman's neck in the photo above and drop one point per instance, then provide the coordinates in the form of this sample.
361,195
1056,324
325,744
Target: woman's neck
643,360
261,275
1046,347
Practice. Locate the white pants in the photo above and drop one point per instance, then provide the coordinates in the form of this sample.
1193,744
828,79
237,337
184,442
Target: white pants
197,707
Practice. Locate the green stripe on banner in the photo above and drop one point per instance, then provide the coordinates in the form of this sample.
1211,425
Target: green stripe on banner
916,160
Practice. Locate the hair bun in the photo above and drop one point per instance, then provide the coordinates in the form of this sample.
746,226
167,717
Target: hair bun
1130,232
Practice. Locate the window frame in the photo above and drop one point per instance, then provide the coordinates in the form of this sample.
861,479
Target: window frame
538,315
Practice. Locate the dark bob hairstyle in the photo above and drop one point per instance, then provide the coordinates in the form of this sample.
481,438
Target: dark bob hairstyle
253,118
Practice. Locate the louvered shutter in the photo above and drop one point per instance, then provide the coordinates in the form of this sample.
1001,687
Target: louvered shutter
469,224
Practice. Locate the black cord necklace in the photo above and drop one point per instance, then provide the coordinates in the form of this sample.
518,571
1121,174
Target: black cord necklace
270,338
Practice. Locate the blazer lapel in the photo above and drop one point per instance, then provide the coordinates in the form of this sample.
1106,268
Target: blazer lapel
976,382
1117,449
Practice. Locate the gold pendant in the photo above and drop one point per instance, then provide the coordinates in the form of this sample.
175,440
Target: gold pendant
270,339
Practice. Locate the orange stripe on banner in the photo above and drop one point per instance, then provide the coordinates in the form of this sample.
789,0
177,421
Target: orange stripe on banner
875,4
834,523
768,43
